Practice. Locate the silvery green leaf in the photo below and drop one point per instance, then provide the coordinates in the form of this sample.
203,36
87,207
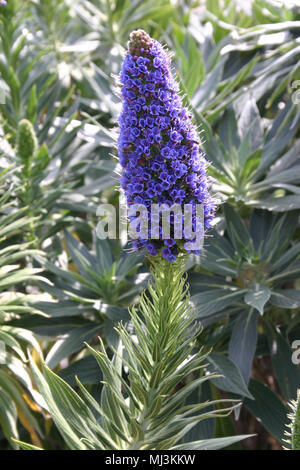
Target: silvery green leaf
257,297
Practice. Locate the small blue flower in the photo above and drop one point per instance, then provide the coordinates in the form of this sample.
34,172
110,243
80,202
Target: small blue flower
157,62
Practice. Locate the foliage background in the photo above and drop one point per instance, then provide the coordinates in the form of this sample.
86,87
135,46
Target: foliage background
60,286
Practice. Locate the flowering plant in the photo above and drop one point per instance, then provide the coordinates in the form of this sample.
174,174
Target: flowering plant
148,408
159,149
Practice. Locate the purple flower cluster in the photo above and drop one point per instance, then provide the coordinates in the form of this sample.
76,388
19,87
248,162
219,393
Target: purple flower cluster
158,144
3,3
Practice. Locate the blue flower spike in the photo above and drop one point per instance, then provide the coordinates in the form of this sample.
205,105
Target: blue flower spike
159,147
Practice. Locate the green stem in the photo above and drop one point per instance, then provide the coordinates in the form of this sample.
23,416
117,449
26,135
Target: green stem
168,292
28,203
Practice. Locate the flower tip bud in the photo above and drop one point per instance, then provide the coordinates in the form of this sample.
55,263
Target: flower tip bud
138,40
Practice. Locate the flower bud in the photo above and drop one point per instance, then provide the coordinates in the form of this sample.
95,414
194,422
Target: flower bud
27,144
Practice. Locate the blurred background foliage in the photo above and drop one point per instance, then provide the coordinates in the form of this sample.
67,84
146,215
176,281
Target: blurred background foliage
238,65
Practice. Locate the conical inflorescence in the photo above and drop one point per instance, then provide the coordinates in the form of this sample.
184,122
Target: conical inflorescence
159,149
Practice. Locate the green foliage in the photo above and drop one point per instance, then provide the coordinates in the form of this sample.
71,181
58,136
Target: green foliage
243,157
246,270
146,409
95,292
15,379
